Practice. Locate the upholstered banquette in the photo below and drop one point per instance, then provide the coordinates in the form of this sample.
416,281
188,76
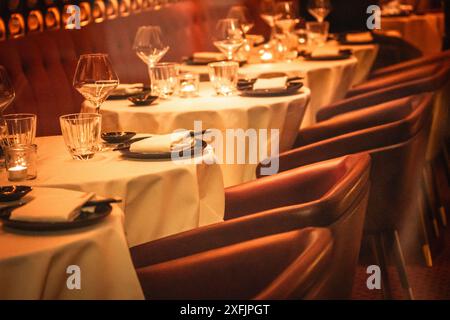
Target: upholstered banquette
42,65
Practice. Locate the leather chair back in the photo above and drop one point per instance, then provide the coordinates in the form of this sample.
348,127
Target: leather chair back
280,266
332,194
395,134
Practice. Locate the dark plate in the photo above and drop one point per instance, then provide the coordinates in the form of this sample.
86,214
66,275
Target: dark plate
83,220
117,137
13,193
141,100
190,62
124,96
198,146
343,54
292,88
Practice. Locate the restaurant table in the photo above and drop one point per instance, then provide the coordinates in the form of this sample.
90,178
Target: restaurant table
425,32
215,112
33,265
159,197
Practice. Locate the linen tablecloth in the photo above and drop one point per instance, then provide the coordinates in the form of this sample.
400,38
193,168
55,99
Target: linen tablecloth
234,112
34,265
159,197
425,32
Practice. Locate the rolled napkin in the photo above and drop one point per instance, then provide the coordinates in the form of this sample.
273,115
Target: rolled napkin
208,56
51,205
325,52
162,143
359,37
270,83
128,88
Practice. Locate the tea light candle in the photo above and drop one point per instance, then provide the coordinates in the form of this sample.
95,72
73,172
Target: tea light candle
188,84
17,173
265,54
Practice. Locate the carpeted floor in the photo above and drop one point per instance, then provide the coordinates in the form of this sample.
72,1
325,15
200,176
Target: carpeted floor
427,283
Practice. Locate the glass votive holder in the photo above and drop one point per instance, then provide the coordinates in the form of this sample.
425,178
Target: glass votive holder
224,76
188,85
20,162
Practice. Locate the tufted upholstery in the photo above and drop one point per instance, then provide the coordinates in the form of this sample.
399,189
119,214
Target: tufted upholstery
42,65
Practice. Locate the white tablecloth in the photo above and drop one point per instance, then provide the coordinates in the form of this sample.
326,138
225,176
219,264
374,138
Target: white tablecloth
159,197
234,112
34,265
423,31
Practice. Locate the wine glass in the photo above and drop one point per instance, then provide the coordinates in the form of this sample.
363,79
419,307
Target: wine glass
267,12
6,90
228,37
242,15
319,9
285,16
95,78
149,46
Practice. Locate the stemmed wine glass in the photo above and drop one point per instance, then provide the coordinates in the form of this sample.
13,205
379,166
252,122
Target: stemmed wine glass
242,15
95,78
149,45
267,12
319,9
228,37
285,16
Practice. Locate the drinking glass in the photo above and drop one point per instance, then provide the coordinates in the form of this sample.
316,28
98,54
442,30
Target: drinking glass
81,133
19,129
319,9
242,15
317,34
228,37
149,45
224,76
163,77
267,12
95,78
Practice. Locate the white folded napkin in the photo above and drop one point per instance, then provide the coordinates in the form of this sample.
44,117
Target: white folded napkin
51,205
128,88
359,37
163,143
270,83
208,56
325,52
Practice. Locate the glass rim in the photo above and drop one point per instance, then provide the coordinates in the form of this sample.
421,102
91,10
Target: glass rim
223,63
19,116
80,116
20,146
94,55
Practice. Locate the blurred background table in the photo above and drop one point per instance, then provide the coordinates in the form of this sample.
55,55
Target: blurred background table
33,264
232,112
159,197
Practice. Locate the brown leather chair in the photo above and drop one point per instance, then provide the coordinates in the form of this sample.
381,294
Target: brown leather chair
395,134
279,266
411,64
332,194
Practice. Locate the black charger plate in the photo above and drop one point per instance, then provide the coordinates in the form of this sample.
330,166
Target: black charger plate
291,89
191,62
198,146
84,219
13,193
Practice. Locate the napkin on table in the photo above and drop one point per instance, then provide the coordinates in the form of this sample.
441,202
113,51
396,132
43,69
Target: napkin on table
162,143
325,52
208,56
359,37
51,205
270,83
128,88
